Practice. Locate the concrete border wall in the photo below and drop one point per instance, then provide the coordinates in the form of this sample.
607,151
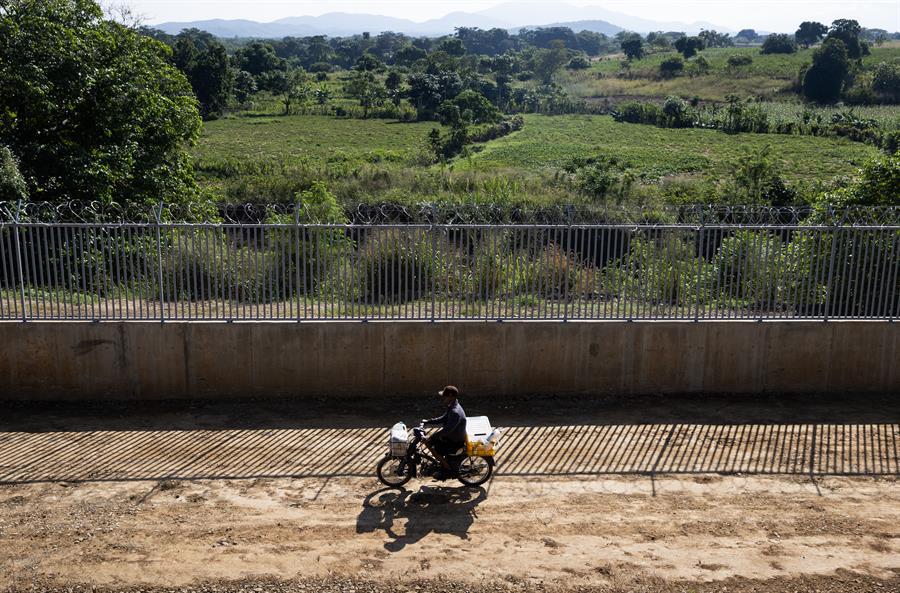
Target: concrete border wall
144,360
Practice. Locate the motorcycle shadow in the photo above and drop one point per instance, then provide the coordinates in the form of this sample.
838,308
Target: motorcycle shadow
432,509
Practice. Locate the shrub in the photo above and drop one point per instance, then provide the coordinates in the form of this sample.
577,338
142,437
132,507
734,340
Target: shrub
12,185
658,271
637,113
779,43
677,112
886,80
394,266
744,281
579,63
739,60
671,66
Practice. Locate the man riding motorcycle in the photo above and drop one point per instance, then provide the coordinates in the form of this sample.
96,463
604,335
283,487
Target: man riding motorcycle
452,435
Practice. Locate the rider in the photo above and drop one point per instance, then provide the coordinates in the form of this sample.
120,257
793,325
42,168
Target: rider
452,435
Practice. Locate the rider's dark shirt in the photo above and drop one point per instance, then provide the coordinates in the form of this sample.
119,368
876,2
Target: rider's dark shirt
453,424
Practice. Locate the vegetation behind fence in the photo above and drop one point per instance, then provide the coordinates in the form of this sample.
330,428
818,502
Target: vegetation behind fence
231,271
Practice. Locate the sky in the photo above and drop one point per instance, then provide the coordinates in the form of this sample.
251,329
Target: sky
770,15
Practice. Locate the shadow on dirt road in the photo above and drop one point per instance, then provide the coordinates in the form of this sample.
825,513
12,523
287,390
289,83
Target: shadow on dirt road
432,509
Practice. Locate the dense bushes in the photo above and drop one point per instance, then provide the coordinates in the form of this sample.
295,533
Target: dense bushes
779,43
738,116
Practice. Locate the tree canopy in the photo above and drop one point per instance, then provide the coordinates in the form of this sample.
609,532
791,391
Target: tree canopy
92,110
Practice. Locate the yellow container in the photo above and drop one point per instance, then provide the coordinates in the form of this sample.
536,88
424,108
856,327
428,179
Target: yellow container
479,449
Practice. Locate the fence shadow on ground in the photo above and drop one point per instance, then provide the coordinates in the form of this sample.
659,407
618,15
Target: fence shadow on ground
803,436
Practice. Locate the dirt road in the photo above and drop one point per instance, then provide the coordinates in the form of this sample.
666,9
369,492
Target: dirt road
652,494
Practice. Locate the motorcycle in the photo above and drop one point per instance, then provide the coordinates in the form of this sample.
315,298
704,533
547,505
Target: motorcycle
406,460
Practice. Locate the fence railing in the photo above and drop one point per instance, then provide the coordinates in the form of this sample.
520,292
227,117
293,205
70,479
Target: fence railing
255,271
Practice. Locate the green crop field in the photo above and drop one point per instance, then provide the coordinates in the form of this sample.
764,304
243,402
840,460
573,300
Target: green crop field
551,141
306,138
768,76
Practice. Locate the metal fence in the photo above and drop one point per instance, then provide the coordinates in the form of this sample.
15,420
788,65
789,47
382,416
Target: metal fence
254,271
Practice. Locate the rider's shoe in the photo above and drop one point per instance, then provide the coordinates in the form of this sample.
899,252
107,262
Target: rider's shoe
442,475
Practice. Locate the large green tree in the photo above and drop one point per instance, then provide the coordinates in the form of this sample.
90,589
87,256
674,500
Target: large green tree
91,109
810,32
824,80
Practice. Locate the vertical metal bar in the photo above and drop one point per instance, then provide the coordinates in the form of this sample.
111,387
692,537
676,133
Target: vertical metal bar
829,285
892,294
698,289
19,262
878,310
568,235
874,262
52,275
159,260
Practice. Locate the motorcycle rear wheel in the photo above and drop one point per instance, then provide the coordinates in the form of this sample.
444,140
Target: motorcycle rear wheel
388,472
475,471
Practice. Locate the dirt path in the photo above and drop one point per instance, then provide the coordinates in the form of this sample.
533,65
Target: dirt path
658,492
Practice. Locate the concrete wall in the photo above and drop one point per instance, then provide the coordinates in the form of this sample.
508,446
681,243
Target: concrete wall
144,360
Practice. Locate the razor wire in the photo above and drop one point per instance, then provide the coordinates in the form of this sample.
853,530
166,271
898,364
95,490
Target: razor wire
446,213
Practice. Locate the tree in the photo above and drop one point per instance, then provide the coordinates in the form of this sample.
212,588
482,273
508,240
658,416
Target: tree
748,34
823,81
92,109
366,89
847,30
886,80
212,80
322,95
671,66
633,46
392,83
428,90
469,107
715,39
368,63
452,47
810,32
778,43
290,85
244,86
591,43
258,58
549,61
409,55
689,46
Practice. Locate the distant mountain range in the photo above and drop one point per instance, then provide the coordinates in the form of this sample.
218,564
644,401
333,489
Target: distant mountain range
509,15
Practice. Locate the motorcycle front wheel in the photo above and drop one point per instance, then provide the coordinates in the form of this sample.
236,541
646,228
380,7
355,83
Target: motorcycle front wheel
389,473
475,471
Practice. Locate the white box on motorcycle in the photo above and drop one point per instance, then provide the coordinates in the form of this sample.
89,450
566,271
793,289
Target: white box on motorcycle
478,428
399,440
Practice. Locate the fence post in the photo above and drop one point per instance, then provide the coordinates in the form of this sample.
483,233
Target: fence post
159,263
829,284
19,261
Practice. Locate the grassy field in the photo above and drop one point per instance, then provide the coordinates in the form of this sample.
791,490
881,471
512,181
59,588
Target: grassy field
767,77
309,138
549,142
252,159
